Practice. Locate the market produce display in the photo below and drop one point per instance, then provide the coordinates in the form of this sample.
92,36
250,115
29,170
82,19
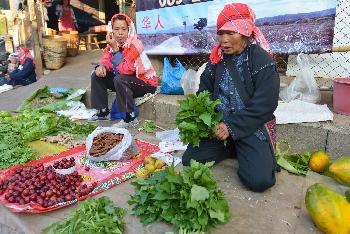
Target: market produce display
329,210
189,200
42,186
197,117
87,179
65,139
64,163
151,165
93,216
104,142
17,131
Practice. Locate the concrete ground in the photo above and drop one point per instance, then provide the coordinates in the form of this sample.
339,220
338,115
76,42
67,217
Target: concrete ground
281,209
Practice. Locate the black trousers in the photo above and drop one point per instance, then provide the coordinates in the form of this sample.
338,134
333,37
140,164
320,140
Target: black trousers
126,87
255,158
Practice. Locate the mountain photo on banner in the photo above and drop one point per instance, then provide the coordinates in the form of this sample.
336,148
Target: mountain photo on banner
289,26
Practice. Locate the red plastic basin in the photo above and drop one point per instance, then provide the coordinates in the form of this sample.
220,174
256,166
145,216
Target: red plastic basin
341,96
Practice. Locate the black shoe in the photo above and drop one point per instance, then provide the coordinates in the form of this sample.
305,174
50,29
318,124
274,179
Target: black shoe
102,114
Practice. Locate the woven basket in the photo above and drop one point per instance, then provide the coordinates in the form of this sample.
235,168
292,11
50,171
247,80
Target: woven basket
72,42
55,50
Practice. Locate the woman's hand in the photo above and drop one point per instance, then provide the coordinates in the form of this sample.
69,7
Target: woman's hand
222,132
101,71
112,42
7,77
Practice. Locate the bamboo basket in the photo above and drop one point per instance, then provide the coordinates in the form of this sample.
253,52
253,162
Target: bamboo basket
72,38
55,51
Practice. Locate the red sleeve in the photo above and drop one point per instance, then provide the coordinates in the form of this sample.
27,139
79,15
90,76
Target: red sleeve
106,59
127,67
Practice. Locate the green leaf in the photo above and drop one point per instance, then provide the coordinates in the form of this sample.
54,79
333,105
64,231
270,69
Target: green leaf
206,117
187,126
217,215
199,193
161,196
149,126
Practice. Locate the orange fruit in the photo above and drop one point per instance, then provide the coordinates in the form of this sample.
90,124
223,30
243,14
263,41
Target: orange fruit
319,161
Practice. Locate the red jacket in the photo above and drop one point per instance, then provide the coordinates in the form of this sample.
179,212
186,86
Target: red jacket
126,67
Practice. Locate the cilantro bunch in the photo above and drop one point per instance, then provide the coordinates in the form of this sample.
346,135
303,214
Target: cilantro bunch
189,200
93,216
197,117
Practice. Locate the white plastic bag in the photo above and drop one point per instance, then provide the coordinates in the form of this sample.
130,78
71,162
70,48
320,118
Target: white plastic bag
126,149
304,86
188,81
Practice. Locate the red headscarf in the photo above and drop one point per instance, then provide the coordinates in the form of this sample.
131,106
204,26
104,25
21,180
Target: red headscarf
26,54
133,49
240,18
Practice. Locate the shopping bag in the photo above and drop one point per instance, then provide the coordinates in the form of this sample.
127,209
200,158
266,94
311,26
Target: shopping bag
171,79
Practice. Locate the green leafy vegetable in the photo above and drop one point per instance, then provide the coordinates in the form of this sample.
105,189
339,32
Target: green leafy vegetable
197,117
189,200
149,126
31,125
294,163
43,99
93,216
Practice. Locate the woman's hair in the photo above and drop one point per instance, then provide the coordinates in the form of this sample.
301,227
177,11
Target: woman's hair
61,2
120,17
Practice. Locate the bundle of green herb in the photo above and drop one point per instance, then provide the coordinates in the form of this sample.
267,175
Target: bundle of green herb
197,117
190,200
93,216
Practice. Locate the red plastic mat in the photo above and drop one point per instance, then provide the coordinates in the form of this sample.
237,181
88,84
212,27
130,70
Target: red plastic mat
106,174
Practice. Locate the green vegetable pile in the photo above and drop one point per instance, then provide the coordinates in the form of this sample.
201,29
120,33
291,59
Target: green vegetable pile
43,99
294,163
197,117
149,126
190,200
13,149
29,126
93,216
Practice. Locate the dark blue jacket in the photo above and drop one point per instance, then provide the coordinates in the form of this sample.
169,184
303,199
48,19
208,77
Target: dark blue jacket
261,82
24,76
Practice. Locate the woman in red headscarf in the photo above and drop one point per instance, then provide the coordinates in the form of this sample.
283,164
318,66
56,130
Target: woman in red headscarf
25,73
124,68
242,74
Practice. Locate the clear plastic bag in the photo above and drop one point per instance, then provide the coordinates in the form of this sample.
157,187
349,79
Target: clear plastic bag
304,86
126,149
188,82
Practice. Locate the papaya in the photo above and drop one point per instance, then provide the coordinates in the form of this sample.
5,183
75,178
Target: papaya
340,170
328,209
319,160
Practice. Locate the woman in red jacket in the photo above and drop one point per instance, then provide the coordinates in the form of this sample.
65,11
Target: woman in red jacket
125,69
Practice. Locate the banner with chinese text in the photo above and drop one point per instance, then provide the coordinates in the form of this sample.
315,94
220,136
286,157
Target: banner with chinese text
175,27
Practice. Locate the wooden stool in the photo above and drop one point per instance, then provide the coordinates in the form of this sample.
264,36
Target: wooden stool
88,39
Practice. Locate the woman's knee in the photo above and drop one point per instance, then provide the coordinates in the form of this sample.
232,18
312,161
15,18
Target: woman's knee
258,183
